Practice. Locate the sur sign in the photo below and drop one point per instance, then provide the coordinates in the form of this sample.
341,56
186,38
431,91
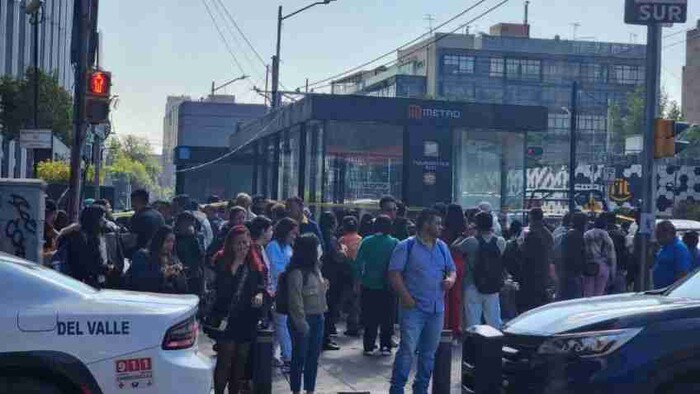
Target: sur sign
646,12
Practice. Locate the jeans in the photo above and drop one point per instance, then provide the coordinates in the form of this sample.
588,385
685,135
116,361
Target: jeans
306,350
420,331
477,304
282,336
377,308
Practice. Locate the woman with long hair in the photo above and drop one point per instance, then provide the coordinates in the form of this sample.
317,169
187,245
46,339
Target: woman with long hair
157,268
239,296
336,269
307,305
453,234
280,253
366,225
190,251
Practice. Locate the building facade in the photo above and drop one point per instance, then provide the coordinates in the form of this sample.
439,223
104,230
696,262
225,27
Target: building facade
352,150
691,76
197,132
17,39
508,67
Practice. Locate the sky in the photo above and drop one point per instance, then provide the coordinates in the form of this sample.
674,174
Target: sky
160,48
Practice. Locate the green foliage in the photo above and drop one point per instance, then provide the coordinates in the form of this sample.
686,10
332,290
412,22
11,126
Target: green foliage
634,118
131,157
53,171
17,105
673,111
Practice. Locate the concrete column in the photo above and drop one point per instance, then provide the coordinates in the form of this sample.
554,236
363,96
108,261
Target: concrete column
22,217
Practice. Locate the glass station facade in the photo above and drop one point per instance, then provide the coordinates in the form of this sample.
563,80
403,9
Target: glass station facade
355,149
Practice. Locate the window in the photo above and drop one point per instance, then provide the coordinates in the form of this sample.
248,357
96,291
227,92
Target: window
458,91
591,123
627,75
524,95
590,72
558,121
523,69
490,94
458,64
496,68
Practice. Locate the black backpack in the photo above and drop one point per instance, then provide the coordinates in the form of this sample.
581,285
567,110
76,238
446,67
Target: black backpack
488,268
282,294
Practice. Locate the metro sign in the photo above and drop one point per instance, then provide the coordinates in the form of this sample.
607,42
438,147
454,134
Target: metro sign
646,12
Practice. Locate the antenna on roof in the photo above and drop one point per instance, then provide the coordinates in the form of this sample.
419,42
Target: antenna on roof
527,9
430,19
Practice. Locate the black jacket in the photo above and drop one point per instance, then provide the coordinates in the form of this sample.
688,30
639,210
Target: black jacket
145,275
573,254
83,257
228,285
144,224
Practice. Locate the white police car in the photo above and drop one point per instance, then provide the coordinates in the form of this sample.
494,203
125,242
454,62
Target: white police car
58,335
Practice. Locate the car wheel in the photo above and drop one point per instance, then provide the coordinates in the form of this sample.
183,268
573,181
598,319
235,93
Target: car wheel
29,385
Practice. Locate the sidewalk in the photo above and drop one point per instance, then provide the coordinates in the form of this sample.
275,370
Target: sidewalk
349,371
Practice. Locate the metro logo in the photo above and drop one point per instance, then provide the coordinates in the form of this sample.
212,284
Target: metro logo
415,112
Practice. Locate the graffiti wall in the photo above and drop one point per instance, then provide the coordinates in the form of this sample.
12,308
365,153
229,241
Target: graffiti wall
675,184
22,217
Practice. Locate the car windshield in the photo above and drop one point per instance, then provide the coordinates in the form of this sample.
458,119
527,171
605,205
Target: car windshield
688,288
47,274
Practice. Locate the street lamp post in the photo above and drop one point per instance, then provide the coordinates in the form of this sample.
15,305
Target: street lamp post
214,88
35,9
275,102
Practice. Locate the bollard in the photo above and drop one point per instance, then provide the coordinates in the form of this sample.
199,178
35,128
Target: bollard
481,360
443,364
262,374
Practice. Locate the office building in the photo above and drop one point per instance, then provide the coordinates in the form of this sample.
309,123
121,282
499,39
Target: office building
507,66
197,132
17,39
691,76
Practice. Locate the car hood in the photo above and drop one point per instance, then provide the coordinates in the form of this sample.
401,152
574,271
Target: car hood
599,312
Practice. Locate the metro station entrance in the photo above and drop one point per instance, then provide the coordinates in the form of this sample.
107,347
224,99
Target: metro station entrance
352,150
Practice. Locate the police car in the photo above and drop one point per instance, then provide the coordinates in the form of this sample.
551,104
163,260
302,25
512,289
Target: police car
62,336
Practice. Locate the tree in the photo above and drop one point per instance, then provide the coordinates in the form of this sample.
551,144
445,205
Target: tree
17,105
130,156
673,111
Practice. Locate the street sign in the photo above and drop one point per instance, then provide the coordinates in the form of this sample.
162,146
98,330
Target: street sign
609,174
35,139
646,12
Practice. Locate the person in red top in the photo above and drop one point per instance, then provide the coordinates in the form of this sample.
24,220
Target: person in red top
455,228
351,241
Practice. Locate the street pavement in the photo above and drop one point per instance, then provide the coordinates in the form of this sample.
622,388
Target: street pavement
348,370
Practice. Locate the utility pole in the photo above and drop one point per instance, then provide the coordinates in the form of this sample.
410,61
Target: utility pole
648,215
35,8
275,96
81,51
573,115
96,161
276,62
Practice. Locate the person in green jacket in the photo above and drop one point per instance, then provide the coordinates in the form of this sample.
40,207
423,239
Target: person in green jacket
377,298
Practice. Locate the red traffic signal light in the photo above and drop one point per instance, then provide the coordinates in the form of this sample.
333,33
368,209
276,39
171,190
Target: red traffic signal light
99,83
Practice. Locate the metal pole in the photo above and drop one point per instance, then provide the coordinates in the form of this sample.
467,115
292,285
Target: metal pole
96,162
212,88
276,62
267,79
78,104
573,114
36,68
653,67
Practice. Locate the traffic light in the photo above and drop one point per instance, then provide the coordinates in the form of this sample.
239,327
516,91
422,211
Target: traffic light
665,133
99,83
97,100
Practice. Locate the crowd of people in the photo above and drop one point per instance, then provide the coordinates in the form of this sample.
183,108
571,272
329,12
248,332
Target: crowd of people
255,262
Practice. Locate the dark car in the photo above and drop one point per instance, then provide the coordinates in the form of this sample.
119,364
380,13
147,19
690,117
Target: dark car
630,343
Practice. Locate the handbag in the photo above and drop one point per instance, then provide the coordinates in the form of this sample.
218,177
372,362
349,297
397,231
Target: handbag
591,269
212,327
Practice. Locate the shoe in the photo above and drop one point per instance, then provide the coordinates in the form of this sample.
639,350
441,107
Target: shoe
369,352
333,330
352,333
394,342
331,346
386,351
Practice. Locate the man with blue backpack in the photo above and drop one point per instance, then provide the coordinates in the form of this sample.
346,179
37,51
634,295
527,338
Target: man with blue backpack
420,271
483,274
